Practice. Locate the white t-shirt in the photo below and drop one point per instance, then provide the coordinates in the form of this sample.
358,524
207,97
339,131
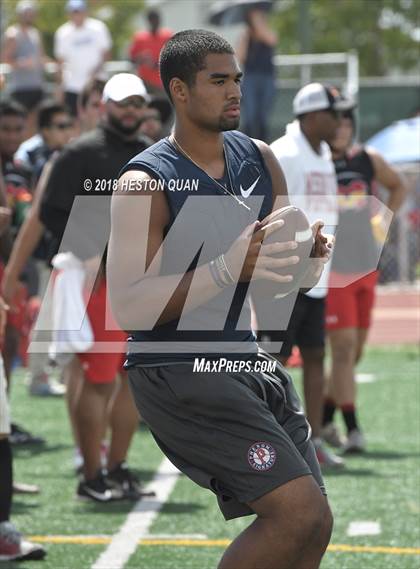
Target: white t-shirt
311,184
82,49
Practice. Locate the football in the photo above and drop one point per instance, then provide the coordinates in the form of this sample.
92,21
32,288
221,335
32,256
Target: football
296,228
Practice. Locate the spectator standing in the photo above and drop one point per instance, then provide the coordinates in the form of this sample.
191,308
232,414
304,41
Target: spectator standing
99,154
55,126
23,50
351,295
12,546
305,158
32,230
89,104
16,193
145,50
255,52
156,118
81,46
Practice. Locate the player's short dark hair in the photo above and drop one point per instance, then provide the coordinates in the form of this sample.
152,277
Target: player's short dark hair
184,54
11,108
47,110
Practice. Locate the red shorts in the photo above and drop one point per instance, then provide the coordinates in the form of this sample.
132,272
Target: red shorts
102,366
350,306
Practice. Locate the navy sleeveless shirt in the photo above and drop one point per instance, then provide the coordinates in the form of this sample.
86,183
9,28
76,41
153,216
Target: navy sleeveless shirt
204,222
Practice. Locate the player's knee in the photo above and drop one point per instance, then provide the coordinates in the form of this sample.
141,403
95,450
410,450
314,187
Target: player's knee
310,520
327,527
314,519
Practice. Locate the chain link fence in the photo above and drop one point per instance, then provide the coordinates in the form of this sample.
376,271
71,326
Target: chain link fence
400,260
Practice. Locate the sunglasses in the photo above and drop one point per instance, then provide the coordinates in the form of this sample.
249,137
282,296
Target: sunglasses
136,102
62,125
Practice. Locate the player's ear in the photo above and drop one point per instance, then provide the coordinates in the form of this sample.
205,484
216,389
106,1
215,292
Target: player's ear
178,90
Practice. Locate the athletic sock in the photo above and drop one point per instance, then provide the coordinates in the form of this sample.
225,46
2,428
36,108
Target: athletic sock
349,415
329,410
6,485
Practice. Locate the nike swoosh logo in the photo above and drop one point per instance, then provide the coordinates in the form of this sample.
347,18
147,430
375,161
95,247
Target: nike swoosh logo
99,496
248,192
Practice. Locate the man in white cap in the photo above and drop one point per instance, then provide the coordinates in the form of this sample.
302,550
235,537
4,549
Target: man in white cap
81,46
90,162
305,158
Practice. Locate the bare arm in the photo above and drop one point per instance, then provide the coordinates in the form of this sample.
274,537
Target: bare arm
5,212
242,48
9,48
261,30
390,179
136,295
27,239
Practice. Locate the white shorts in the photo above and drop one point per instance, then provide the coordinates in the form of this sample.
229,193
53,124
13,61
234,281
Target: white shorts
4,403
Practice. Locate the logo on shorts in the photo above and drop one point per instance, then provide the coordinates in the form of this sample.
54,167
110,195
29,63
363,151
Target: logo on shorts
261,456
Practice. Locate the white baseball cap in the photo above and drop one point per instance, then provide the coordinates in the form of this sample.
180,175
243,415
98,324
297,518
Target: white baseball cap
123,85
26,6
318,97
76,6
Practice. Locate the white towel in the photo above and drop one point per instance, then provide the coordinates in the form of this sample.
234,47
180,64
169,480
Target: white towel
72,332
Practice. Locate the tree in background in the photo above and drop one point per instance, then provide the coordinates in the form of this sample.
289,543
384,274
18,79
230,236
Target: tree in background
118,15
386,33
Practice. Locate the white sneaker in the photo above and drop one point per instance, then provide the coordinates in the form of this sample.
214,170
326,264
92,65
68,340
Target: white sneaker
327,459
356,442
49,388
14,548
332,436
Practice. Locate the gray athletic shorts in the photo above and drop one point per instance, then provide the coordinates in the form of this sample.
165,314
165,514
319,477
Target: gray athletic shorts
239,434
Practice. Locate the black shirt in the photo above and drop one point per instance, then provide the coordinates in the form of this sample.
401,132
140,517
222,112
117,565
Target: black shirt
355,250
94,156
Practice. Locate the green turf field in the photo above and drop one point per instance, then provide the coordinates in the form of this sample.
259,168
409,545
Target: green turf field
383,486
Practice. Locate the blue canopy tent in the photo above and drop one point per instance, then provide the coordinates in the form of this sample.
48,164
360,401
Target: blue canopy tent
400,142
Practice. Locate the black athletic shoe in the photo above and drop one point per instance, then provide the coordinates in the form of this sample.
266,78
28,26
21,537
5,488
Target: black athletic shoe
98,490
18,436
124,480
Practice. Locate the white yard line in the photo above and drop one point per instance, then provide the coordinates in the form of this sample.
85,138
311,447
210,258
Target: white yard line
197,536
124,543
365,377
363,528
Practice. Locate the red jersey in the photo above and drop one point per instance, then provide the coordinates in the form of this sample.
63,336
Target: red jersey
147,46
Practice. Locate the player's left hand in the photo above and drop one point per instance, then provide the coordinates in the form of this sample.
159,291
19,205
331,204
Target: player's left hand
320,255
323,243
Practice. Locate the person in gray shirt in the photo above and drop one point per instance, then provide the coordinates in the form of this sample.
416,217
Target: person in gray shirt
24,52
